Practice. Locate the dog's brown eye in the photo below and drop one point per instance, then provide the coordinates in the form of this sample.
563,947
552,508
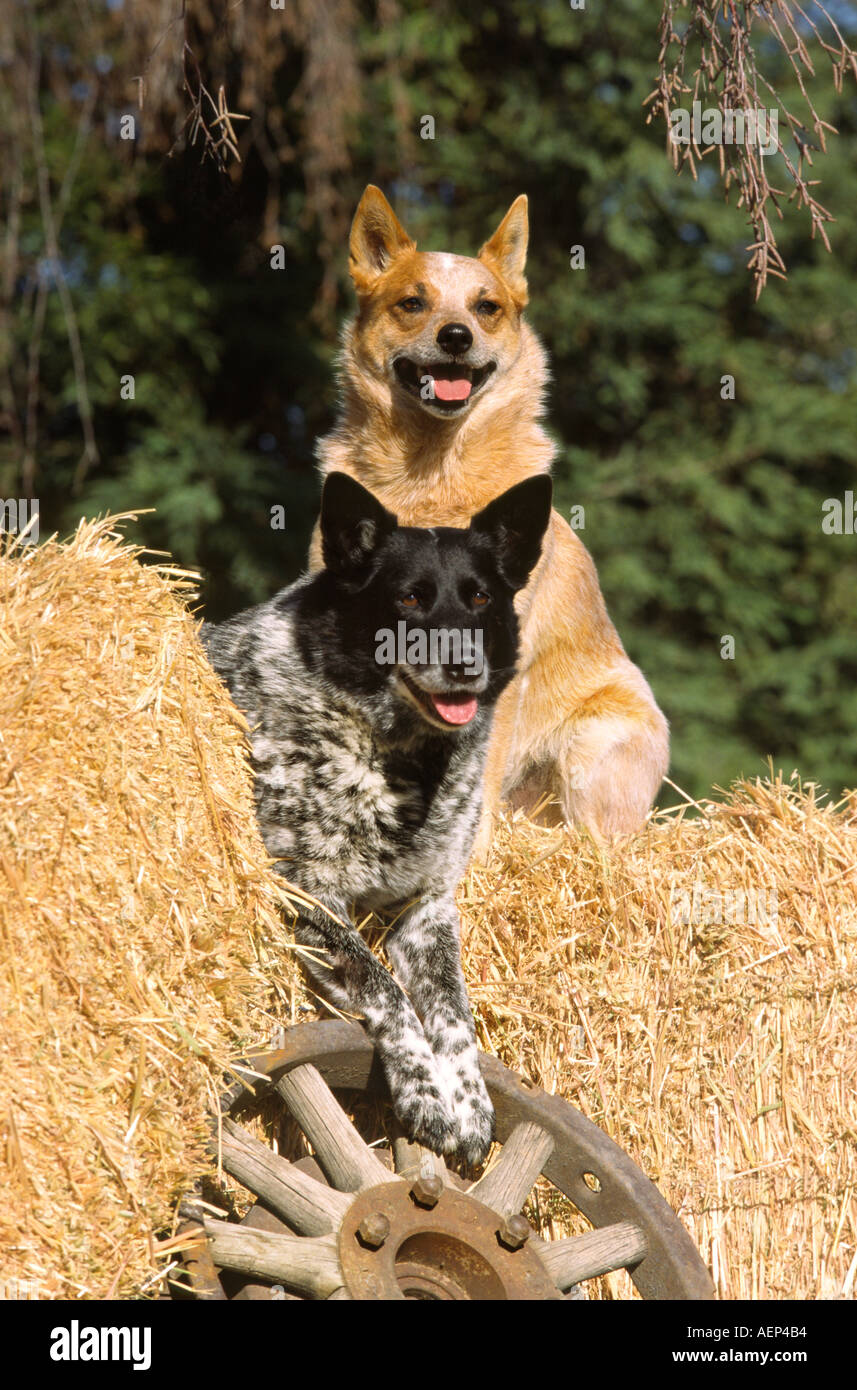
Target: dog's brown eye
411,305
487,307
409,601
480,599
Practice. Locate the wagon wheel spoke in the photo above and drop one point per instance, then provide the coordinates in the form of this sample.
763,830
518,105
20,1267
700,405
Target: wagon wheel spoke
349,1164
311,1208
412,1161
303,1265
601,1251
507,1183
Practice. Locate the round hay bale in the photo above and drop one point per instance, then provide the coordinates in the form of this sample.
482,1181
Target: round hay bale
140,939
693,991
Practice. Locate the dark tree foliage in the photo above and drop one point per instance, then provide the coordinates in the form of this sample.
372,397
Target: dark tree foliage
704,513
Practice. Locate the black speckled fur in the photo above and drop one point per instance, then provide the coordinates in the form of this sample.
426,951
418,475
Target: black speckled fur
365,802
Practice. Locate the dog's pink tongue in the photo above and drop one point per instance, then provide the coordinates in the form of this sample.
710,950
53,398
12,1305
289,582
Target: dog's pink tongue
455,710
452,389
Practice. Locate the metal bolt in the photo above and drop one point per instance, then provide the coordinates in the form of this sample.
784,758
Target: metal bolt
374,1229
513,1232
426,1190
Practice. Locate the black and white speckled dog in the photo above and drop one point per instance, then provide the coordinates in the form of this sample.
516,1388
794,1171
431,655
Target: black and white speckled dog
369,772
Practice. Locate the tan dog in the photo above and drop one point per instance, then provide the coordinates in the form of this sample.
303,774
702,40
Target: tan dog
442,390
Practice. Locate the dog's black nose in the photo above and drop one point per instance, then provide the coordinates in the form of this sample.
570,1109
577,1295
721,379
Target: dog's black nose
461,675
454,338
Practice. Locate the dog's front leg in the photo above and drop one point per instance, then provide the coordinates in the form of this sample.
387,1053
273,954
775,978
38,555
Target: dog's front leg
425,953
352,978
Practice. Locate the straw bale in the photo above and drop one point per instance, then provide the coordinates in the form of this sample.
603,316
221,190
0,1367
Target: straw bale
721,1055
139,930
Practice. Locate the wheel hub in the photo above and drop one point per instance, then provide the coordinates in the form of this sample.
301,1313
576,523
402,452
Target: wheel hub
451,1251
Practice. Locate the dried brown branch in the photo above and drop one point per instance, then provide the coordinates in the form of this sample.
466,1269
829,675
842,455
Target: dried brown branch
205,114
723,37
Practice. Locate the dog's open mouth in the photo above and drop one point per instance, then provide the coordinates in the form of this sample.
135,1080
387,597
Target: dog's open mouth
449,385
452,708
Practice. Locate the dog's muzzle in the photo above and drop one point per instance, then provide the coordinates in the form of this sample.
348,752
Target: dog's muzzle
449,386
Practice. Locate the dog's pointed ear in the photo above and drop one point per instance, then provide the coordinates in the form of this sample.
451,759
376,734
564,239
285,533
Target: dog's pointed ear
353,524
377,238
506,251
516,523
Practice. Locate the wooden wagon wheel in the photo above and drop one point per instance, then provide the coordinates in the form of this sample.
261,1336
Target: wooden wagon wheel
346,1226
